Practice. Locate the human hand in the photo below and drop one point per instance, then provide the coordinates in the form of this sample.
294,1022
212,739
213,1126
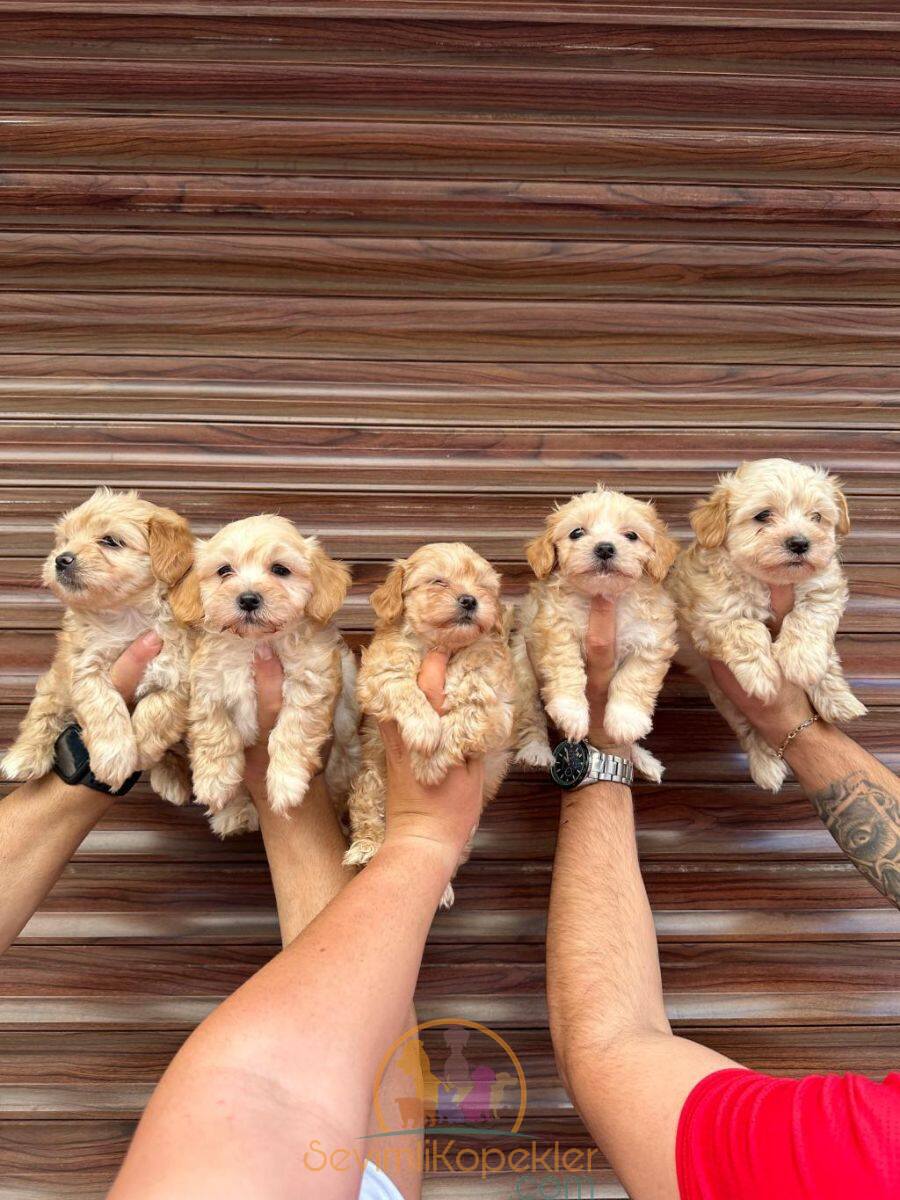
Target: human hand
600,651
268,675
442,815
773,719
128,669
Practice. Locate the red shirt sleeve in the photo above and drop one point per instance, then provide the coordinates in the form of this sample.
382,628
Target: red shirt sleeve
746,1136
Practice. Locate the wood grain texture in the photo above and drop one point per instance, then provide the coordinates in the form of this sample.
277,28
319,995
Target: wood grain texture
257,255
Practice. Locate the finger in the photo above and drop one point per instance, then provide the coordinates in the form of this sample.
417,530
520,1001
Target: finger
729,685
782,601
432,677
269,675
128,669
390,735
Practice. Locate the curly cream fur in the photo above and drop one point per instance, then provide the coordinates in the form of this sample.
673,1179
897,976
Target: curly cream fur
114,593
294,620
721,585
418,609
549,650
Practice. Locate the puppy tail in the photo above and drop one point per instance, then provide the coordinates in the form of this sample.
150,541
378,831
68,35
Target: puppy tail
346,753
238,816
361,852
171,778
645,762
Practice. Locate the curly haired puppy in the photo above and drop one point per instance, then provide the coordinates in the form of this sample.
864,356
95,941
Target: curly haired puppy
443,597
770,522
114,561
601,543
260,581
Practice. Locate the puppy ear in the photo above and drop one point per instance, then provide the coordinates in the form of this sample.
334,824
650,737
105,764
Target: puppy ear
843,522
541,554
330,580
709,519
665,549
387,599
184,600
171,546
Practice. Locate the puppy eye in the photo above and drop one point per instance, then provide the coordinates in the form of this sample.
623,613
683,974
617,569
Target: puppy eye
763,516
817,517
280,569
111,542
225,570
439,583
631,535
577,533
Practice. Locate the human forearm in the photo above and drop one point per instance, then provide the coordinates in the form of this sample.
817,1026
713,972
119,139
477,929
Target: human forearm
323,1015
42,824
857,798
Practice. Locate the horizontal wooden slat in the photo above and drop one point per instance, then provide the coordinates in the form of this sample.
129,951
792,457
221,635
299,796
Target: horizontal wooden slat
874,596
415,207
347,147
441,268
397,522
630,95
337,458
392,392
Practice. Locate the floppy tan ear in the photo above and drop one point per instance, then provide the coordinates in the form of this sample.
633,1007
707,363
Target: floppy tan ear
843,523
171,546
387,599
330,580
664,549
541,554
709,519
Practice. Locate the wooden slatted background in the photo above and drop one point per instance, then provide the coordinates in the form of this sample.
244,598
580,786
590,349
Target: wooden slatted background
407,270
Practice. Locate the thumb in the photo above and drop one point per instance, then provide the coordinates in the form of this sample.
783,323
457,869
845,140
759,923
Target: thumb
432,677
128,669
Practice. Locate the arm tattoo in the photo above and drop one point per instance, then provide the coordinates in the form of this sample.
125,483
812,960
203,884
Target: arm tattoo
864,820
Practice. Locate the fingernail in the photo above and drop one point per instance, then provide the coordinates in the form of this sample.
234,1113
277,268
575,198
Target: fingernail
150,640
264,650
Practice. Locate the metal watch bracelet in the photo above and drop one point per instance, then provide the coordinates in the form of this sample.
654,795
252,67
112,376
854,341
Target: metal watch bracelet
607,768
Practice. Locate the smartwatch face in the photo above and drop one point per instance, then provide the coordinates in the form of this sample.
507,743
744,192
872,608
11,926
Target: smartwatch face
570,763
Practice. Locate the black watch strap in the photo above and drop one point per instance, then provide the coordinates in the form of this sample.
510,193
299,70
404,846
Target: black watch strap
72,763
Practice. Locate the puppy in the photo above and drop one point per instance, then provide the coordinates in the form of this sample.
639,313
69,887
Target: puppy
443,597
114,561
259,581
601,543
770,522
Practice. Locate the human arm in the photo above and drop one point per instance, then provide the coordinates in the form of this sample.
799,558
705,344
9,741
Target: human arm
292,1056
42,823
626,1072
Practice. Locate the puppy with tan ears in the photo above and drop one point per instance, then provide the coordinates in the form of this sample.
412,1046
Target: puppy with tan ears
260,582
601,543
114,561
443,597
771,522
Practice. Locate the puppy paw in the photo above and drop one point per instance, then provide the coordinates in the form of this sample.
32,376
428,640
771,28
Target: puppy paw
838,707
421,733
647,764
448,897
570,715
801,663
286,790
240,816
113,762
26,762
171,780
213,791
535,753
429,769
360,853
626,723
766,770
760,678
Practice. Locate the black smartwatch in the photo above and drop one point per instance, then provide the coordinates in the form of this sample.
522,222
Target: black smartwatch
577,764
72,763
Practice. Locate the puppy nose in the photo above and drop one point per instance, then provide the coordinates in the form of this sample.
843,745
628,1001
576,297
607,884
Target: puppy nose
604,550
63,561
469,603
249,601
797,545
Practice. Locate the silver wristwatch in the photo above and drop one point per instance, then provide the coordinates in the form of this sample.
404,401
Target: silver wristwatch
578,764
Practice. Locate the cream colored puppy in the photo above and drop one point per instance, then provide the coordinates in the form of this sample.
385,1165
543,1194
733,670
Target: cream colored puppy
443,597
601,543
260,582
114,561
772,521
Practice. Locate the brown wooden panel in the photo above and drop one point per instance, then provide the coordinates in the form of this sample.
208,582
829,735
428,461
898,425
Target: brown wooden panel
498,526
445,267
414,207
347,148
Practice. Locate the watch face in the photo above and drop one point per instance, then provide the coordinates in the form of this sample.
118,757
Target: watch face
570,763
